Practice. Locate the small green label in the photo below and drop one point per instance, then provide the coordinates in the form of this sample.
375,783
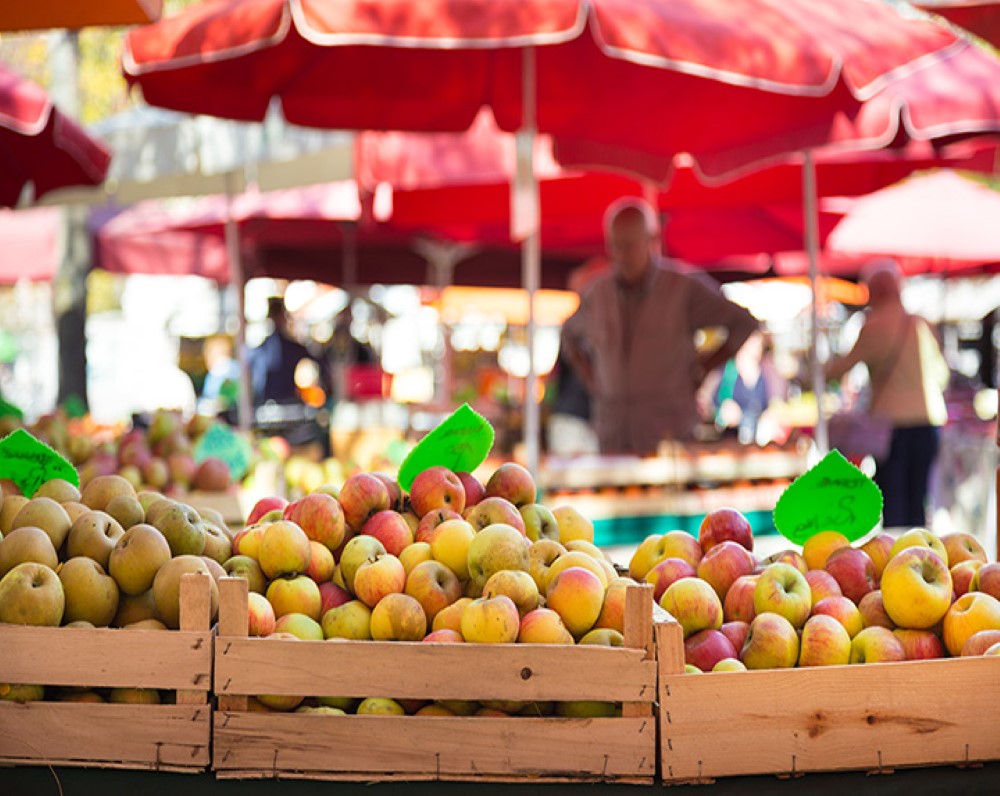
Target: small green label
832,496
461,443
74,406
221,442
29,463
8,409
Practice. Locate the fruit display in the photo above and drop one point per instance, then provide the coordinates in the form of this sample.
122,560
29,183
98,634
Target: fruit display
159,457
102,556
451,561
884,599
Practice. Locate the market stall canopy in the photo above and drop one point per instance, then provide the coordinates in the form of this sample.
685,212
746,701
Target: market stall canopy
187,237
41,146
18,15
30,247
456,186
161,153
741,80
981,17
940,219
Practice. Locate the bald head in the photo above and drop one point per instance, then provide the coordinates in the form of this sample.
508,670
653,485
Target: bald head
884,281
632,238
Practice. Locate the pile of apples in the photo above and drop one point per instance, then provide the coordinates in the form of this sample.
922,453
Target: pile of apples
158,458
454,561
913,597
103,556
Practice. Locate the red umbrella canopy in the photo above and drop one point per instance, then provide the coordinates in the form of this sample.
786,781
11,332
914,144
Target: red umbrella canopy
941,221
623,82
456,186
40,145
981,17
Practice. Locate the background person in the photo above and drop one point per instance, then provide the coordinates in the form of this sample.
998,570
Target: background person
908,376
632,340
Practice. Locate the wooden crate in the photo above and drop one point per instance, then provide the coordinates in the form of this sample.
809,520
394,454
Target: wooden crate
874,717
316,746
163,737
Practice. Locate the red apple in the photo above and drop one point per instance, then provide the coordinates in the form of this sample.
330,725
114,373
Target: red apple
706,648
494,511
822,585
361,497
666,572
437,488
962,574
919,645
873,613
786,557
736,632
431,520
212,475
331,596
474,490
853,570
978,643
738,605
391,530
320,516
394,490
513,483
725,525
879,549
843,610
263,506
987,580
723,564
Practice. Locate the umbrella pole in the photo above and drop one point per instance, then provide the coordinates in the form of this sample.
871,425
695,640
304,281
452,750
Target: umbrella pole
525,219
244,409
811,219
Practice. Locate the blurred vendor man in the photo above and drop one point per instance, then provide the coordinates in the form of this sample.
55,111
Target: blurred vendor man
632,340
273,362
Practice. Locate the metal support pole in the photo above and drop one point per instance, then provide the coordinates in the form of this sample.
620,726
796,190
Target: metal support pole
531,252
244,405
811,210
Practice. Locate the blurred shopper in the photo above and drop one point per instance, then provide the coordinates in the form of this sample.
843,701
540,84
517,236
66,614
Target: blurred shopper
632,341
748,385
908,376
222,378
273,362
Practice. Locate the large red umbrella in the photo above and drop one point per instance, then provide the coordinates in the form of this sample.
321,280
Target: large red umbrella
981,17
38,144
627,81
940,221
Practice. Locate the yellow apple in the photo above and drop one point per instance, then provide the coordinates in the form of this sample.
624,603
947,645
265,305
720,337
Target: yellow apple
450,543
969,614
450,618
540,557
919,537
490,620
352,620
577,595
517,585
414,554
398,617
573,525
817,548
581,560
543,626
916,588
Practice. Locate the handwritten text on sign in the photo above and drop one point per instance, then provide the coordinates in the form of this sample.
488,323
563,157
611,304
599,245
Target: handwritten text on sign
832,496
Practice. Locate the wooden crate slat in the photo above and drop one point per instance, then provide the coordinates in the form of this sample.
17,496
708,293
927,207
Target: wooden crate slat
104,657
380,777
864,717
429,671
438,746
144,736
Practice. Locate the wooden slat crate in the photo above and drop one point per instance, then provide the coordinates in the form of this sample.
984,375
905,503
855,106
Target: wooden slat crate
873,717
163,737
316,746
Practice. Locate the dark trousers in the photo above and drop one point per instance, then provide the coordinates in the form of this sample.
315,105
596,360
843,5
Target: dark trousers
904,476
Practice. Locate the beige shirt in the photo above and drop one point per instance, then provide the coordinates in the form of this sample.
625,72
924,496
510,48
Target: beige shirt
644,387
908,387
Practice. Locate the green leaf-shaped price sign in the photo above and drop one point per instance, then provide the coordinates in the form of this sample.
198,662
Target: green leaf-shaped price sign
221,442
460,443
29,463
832,496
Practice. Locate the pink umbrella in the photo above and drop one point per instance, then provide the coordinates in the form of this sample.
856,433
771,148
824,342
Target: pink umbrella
941,220
41,146
981,17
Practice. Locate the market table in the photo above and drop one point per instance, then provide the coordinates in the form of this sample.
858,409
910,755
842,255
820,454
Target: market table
82,782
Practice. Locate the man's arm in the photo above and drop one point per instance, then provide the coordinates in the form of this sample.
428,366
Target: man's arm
838,366
711,308
572,343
